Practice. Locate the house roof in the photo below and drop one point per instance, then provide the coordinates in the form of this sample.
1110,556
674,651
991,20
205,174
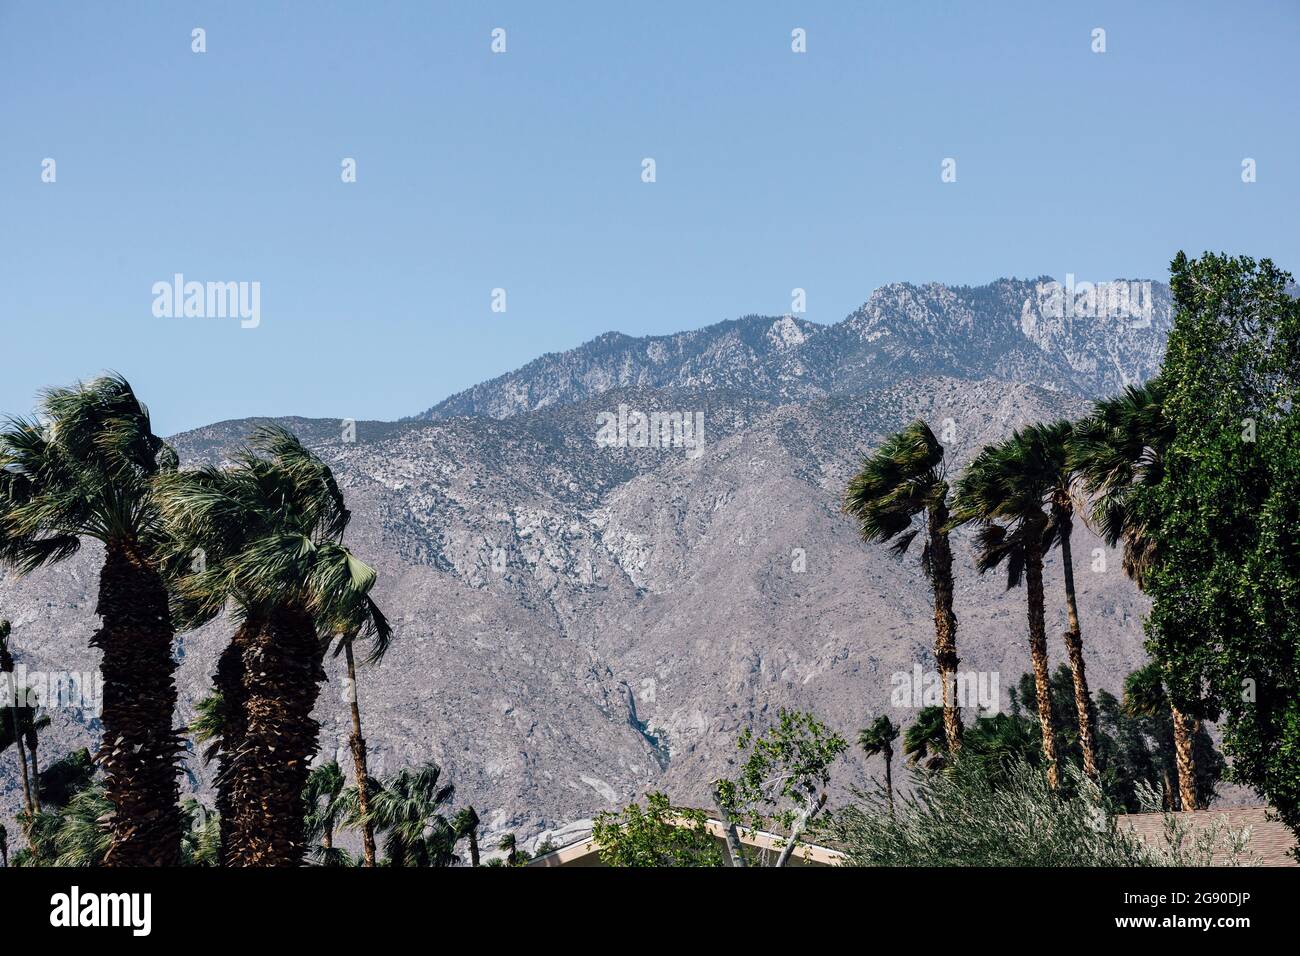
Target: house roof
586,853
1270,840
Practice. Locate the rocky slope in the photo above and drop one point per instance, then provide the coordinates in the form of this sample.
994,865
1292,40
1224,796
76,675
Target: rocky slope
578,623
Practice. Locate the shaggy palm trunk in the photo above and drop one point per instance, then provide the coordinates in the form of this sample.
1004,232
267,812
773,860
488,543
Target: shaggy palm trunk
1184,737
945,622
282,676
4,849
140,746
228,682
358,746
473,846
1074,649
1038,652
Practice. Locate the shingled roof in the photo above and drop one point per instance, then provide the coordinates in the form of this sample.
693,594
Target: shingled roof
1271,842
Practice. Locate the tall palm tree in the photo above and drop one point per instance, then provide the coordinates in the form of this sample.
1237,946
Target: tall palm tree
1004,493
466,824
1117,450
86,470
904,479
1046,455
381,632
270,532
408,808
4,847
878,738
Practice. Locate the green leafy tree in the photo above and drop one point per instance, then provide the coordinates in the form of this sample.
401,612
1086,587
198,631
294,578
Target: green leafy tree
879,738
783,781
86,469
1225,625
902,481
657,835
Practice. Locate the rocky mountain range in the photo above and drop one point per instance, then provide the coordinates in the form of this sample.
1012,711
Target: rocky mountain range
583,618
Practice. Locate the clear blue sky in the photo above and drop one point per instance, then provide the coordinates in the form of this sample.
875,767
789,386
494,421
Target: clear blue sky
522,171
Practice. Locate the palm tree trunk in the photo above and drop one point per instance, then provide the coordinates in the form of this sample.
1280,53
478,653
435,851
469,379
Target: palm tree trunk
228,682
36,768
1185,754
1038,652
945,622
21,751
282,675
473,847
1074,649
358,746
140,746
889,779
7,670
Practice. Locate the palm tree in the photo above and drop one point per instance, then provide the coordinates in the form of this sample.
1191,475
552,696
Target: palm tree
879,738
510,847
408,808
902,480
201,842
270,532
87,471
357,743
925,742
1118,450
4,847
1144,696
466,825
80,838
1046,455
325,808
1001,485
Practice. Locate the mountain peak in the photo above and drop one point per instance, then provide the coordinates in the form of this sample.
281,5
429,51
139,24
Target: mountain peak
1080,338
